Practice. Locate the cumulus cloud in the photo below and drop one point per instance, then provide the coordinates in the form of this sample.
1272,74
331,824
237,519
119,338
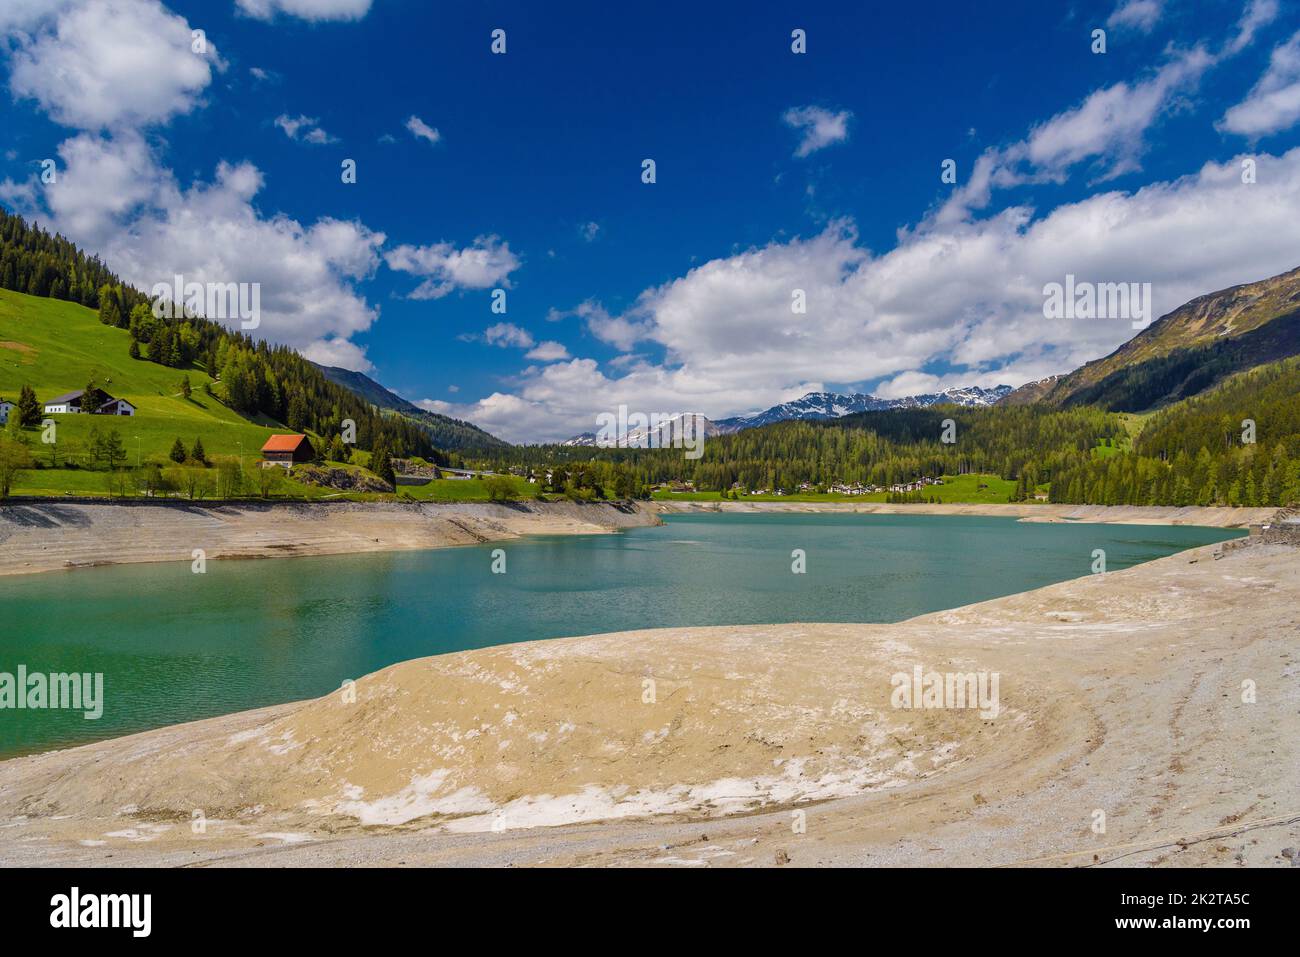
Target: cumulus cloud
422,130
549,351
1141,15
818,127
110,63
1273,104
959,305
114,197
308,126
485,264
305,9
507,334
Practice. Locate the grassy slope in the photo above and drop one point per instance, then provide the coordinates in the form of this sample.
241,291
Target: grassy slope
55,347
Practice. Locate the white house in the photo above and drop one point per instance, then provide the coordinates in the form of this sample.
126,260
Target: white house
5,409
100,403
115,407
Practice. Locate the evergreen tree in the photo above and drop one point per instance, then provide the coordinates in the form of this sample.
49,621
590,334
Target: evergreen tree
177,454
28,409
197,453
381,462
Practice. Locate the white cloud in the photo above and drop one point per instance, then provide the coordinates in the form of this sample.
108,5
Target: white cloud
1141,15
112,63
618,331
507,334
113,197
306,9
422,130
1108,128
819,127
1258,14
549,351
589,231
486,264
1273,104
308,125
958,305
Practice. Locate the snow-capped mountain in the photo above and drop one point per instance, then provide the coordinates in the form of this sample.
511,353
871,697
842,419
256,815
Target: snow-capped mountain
665,434
818,405
832,405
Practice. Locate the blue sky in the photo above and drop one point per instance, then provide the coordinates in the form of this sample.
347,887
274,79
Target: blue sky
775,171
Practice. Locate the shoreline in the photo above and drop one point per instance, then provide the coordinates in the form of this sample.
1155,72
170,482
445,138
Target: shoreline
50,536
1206,516
1119,692
45,536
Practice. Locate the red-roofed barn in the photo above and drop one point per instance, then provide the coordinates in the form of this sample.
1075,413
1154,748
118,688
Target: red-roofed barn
288,450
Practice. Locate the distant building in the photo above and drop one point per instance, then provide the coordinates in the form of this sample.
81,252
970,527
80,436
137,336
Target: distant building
95,402
288,450
5,409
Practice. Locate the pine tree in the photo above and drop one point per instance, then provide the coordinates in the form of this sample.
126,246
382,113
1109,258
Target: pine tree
381,462
28,409
177,454
197,453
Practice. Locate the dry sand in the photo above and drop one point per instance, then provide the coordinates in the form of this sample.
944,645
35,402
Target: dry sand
1119,693
43,537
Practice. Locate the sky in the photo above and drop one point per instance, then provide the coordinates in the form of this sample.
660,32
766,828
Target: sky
500,257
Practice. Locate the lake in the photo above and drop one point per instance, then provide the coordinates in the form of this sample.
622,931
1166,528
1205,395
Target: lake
176,646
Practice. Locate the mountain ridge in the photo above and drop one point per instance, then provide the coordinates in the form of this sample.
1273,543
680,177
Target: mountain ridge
447,433
829,405
1185,351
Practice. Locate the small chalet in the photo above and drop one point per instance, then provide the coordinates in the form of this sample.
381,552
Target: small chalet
288,450
5,409
94,402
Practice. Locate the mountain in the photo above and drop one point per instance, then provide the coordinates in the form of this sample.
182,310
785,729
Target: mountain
368,389
447,433
661,436
1185,352
829,405
833,405
826,406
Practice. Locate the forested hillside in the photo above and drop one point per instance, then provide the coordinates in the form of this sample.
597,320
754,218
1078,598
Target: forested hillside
880,448
1238,444
1183,353
255,379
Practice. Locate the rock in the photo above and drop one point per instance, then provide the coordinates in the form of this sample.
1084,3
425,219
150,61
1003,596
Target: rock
1289,853
782,857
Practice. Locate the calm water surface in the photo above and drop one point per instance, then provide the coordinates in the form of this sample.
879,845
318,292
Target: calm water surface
175,646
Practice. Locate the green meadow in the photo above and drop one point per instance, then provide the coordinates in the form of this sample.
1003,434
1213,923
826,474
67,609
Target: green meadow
58,347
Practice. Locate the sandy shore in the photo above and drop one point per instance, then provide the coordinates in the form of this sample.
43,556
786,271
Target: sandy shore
48,536
1026,512
1120,700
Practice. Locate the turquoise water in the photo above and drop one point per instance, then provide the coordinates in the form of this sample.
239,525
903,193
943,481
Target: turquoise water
174,646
